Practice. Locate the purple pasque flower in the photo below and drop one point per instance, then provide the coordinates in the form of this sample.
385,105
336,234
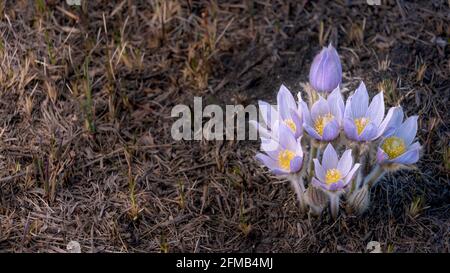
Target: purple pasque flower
324,121
286,112
364,122
282,155
334,174
325,74
397,146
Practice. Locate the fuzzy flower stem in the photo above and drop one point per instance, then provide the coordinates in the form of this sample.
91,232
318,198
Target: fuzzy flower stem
299,188
375,176
334,204
310,96
361,173
355,182
313,153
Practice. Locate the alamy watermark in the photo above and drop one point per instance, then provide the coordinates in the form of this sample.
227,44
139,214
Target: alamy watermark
73,2
373,2
215,123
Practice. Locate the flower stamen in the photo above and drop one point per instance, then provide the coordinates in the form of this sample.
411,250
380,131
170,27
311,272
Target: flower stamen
321,122
361,124
332,176
291,124
284,159
393,147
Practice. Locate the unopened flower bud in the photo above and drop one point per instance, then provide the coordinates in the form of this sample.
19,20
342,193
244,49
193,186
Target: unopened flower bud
326,70
360,200
316,199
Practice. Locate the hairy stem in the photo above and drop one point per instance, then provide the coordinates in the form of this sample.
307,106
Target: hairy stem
363,158
334,205
313,153
299,188
355,152
374,176
312,96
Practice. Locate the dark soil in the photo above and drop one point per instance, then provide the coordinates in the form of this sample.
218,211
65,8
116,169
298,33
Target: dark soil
86,94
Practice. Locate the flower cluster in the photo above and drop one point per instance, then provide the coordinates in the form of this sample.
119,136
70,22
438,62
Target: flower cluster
369,139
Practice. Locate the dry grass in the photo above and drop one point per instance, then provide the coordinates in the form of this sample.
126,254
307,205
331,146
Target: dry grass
85,100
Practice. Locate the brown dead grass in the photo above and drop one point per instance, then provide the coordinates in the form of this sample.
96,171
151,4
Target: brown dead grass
85,100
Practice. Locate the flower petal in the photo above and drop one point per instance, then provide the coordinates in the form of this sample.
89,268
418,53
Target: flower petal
351,173
345,162
375,112
315,74
390,121
319,184
369,133
360,101
339,185
397,117
267,161
296,118
270,147
285,102
318,170
350,129
409,157
337,60
311,132
303,109
286,138
296,164
382,157
331,130
348,108
336,104
278,171
330,158
319,108
415,145
407,131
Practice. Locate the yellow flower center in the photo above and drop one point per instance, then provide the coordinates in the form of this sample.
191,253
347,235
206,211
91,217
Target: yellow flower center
361,123
332,176
284,159
291,124
321,122
393,147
